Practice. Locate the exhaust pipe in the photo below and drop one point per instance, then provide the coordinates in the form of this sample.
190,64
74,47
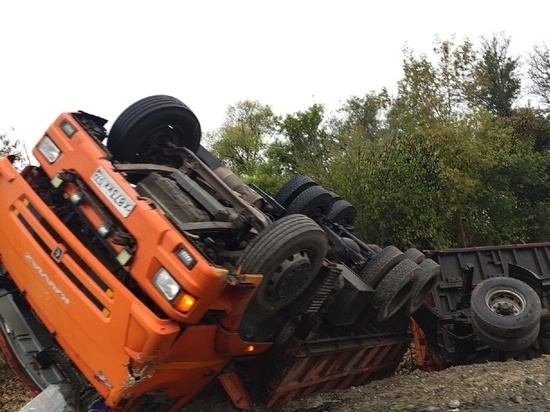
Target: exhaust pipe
229,178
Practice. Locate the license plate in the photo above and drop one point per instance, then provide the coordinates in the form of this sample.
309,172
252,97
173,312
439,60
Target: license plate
113,192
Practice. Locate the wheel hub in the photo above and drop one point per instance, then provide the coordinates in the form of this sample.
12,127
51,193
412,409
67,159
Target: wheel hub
290,276
505,302
160,144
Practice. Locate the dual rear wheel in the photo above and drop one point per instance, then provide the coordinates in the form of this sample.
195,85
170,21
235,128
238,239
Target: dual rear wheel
301,194
505,313
399,281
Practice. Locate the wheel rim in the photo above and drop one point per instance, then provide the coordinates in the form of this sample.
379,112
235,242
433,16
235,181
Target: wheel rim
505,302
289,278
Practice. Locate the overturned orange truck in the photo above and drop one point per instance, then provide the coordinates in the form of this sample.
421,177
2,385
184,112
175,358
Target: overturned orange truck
141,272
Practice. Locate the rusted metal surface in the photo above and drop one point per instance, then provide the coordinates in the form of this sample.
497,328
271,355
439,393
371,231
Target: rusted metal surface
235,390
309,367
426,359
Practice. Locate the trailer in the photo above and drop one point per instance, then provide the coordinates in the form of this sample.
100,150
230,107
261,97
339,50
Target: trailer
490,303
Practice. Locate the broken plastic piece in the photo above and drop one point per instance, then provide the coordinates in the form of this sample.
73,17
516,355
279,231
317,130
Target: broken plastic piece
53,398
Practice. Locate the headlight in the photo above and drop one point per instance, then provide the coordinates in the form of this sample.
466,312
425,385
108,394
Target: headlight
186,258
68,128
48,149
166,284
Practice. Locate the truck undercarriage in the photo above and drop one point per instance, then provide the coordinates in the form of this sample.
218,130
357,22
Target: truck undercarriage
142,271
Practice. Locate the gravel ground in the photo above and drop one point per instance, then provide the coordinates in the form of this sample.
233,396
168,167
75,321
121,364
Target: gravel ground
505,386
13,395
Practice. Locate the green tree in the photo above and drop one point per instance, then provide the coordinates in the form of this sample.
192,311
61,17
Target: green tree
449,161
425,156
539,73
241,141
443,94
365,114
498,82
247,142
440,142
356,135
531,125
528,172
307,143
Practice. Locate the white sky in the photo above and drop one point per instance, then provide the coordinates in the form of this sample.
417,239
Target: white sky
100,56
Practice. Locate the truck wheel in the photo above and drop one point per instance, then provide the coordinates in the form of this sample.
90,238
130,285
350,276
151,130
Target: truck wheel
415,255
335,196
289,253
505,308
375,247
313,201
380,265
343,212
425,282
147,127
516,344
395,289
292,189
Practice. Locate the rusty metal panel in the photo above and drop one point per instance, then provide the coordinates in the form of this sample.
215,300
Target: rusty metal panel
310,367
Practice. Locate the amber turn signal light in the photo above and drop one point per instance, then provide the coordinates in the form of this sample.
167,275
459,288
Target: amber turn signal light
184,303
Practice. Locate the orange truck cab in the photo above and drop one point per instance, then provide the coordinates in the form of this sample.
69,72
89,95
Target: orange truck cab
141,270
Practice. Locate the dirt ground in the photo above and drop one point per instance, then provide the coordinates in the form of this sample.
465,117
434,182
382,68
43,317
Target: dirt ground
508,386
13,395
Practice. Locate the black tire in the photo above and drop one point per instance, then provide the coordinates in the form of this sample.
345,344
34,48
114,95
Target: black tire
506,308
423,284
395,289
375,247
415,255
292,189
289,253
516,344
335,196
343,212
380,264
144,128
313,201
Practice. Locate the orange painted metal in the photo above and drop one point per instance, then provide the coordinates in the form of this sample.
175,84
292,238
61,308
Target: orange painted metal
426,359
123,347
